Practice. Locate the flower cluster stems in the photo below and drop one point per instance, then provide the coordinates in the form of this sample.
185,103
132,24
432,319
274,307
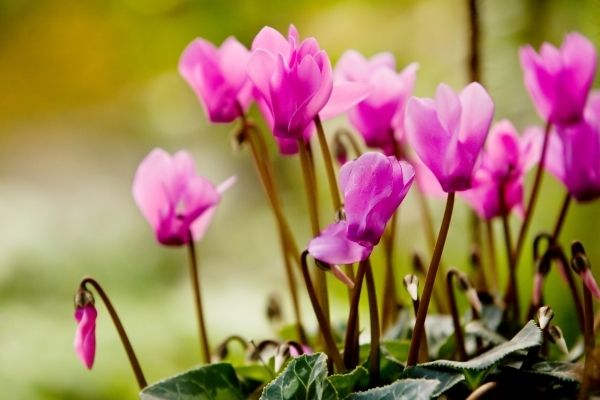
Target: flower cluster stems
389,308
133,360
419,327
458,332
512,273
330,346
289,248
310,185
560,221
491,247
351,341
193,268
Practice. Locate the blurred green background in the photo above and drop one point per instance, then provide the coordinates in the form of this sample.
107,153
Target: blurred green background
88,88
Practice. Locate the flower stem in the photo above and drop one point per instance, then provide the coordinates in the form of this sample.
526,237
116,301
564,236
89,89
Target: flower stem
193,268
429,282
311,193
330,346
458,332
588,311
532,200
491,242
390,300
512,298
288,246
351,139
579,307
374,317
474,43
351,342
560,221
333,186
133,361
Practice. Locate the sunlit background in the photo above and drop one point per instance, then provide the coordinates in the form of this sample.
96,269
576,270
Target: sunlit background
88,88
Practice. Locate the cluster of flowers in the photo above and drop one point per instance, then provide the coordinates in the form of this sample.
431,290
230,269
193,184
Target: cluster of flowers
439,141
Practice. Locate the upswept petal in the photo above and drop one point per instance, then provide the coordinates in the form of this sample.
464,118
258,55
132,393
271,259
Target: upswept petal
271,40
476,116
344,96
448,109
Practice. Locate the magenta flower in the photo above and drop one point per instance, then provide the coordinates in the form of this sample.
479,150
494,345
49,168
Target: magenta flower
85,336
448,132
218,77
373,186
379,118
574,153
294,84
503,166
559,80
175,201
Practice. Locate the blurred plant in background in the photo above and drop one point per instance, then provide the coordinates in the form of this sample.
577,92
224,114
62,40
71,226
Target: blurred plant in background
88,88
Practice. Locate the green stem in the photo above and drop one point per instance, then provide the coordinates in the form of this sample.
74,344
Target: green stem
390,300
374,317
193,267
491,241
330,346
133,360
512,298
429,282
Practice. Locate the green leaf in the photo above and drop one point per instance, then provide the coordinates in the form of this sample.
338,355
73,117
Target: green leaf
344,384
446,379
403,389
476,368
565,372
209,382
477,329
303,378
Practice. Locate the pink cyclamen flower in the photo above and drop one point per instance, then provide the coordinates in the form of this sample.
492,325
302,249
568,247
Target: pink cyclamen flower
294,84
502,169
379,118
559,80
85,336
373,186
574,153
448,132
218,77
174,200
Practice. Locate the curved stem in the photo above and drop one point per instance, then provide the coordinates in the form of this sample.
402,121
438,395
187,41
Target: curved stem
579,307
193,267
458,332
429,282
330,346
351,139
560,221
351,342
374,317
133,361
482,391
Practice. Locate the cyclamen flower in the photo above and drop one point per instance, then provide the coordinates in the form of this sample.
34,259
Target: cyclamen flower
218,77
175,201
373,186
294,84
574,153
85,336
379,118
448,132
504,164
559,80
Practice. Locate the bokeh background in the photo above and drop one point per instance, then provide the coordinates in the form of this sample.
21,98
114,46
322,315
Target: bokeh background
87,88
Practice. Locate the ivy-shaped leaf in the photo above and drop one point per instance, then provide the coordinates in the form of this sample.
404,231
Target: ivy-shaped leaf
476,368
209,382
447,380
402,389
344,384
303,378
565,372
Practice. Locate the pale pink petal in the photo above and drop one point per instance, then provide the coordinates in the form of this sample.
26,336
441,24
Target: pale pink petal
333,247
344,96
85,336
